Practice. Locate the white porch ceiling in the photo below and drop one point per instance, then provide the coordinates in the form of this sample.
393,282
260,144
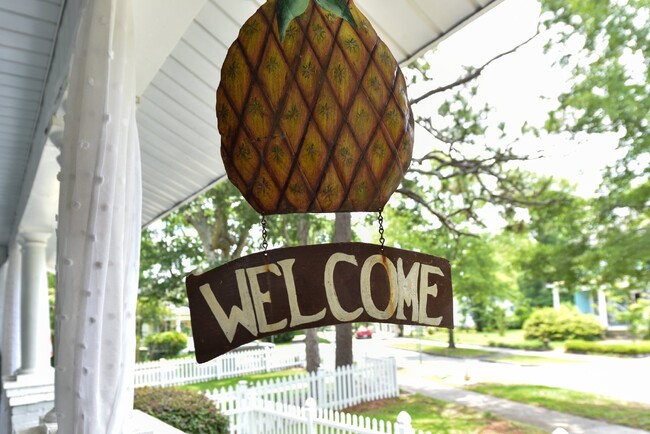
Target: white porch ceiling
176,120
181,46
28,32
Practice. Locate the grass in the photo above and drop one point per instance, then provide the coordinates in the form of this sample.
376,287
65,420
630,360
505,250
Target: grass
430,414
463,336
465,353
472,337
444,351
217,384
525,360
587,405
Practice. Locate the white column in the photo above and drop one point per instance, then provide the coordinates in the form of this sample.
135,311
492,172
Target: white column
3,291
556,297
602,308
11,314
99,227
35,343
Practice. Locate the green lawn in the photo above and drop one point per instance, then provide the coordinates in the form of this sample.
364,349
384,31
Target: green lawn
516,359
471,337
462,336
572,402
480,354
430,414
444,351
209,385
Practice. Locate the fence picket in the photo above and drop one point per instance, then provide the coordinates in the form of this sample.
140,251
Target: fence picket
279,405
188,371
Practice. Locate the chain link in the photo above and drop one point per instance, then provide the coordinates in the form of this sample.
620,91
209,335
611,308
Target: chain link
380,219
265,233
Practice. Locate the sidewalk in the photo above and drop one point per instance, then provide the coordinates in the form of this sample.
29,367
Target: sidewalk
524,413
617,378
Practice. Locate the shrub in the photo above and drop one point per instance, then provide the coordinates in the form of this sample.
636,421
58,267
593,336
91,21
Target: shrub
516,320
186,410
548,324
618,348
487,316
638,318
529,345
282,338
166,344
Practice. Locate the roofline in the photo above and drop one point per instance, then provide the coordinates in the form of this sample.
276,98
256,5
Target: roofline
55,83
185,201
480,11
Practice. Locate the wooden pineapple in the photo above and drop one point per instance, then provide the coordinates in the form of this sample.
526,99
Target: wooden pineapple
313,111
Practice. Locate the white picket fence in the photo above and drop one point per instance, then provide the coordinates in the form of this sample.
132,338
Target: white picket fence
269,417
287,405
178,372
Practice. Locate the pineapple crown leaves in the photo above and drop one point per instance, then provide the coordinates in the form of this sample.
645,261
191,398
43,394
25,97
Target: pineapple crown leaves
289,10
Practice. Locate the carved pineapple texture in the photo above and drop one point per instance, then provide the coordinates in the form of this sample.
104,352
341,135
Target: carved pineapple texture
317,123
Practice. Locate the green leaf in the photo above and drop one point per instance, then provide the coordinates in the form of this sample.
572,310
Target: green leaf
287,11
339,8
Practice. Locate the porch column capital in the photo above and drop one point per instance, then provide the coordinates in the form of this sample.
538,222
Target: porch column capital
32,238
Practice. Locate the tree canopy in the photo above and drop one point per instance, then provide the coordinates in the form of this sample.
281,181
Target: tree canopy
470,168
606,45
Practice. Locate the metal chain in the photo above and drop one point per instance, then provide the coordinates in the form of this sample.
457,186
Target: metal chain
265,233
380,219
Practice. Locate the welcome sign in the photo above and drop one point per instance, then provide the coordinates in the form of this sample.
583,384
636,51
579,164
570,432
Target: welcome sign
302,287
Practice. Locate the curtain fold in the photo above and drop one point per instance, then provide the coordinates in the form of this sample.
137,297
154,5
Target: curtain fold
99,227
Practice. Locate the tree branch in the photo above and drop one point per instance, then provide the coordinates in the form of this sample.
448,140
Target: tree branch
241,243
471,76
200,222
440,216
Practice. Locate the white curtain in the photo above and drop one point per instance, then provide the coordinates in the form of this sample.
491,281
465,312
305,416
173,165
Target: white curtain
99,227
11,313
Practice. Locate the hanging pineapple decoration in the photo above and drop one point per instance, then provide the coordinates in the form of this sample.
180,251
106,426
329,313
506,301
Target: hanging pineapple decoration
312,110
314,117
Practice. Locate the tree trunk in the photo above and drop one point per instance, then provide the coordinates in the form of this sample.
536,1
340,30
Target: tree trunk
312,353
342,234
452,341
311,350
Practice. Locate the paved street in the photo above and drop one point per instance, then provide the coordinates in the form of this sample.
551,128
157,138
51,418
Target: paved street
626,379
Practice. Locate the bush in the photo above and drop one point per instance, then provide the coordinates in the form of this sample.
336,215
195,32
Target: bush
282,338
166,344
488,317
529,345
518,317
621,349
186,410
548,324
638,318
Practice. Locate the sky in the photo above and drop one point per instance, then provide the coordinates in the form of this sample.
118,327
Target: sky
520,87
514,86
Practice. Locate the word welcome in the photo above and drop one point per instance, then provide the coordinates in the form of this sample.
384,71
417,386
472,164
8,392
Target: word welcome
302,287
